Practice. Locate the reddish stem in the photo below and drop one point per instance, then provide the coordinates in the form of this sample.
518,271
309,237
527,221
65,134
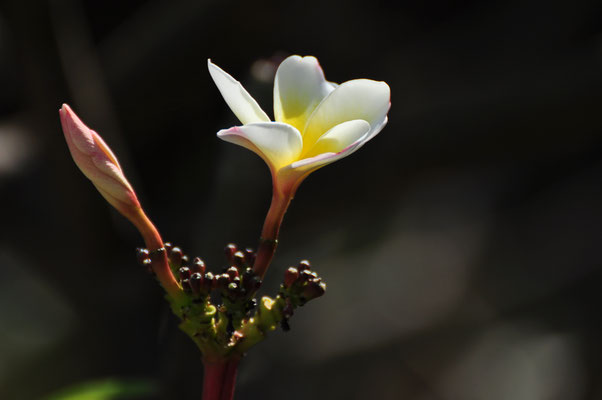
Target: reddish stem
269,234
154,242
219,378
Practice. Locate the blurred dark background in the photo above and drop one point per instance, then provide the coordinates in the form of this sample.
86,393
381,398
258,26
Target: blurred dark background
461,247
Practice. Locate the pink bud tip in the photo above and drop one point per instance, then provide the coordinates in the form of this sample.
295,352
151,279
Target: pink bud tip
96,160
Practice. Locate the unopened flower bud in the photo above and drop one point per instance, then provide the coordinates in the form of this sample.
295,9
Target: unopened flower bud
196,282
186,285
208,281
175,256
313,290
185,260
232,272
222,281
304,265
229,251
290,276
249,256
198,265
184,273
96,160
239,259
306,275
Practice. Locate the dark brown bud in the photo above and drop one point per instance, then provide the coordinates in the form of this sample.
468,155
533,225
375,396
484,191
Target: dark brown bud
290,277
232,272
304,265
198,265
184,273
208,281
306,275
186,285
313,290
196,283
185,260
229,251
222,281
239,259
142,255
250,256
175,256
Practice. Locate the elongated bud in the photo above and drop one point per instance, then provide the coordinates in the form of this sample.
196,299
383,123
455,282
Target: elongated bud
96,160
98,163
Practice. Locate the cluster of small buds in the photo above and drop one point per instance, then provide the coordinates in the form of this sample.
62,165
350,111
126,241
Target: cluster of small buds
300,285
236,282
238,320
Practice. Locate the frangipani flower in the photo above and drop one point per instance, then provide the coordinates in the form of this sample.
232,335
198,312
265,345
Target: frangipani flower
316,122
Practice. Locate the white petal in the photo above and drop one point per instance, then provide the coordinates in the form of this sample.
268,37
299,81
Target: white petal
357,99
339,137
238,99
299,86
278,144
291,176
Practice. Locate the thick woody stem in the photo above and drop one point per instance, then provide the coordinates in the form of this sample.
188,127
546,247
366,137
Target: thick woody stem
269,234
219,378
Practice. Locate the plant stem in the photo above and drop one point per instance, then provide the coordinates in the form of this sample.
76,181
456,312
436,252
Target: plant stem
219,378
153,241
269,234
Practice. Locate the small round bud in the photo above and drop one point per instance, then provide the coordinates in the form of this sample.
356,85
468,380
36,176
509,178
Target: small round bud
306,275
196,282
232,272
313,290
250,256
185,260
304,265
222,281
208,282
229,250
168,246
198,265
232,287
239,259
290,277
175,256
184,273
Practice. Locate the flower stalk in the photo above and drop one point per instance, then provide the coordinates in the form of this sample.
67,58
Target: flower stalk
219,378
271,228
